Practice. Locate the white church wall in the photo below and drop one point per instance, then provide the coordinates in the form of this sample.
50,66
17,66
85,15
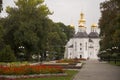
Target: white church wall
85,47
96,48
70,53
80,47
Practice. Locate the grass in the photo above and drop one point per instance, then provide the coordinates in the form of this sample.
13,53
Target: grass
70,73
113,63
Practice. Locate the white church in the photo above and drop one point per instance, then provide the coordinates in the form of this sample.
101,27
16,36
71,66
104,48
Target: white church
83,45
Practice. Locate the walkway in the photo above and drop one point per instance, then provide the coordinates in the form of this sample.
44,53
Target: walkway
95,70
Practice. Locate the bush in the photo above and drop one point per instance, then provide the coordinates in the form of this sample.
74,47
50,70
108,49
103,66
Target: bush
7,55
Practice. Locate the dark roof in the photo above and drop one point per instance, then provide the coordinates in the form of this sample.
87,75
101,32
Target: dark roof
93,35
81,35
90,40
71,46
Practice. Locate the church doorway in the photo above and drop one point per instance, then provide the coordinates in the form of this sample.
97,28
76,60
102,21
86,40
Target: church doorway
80,56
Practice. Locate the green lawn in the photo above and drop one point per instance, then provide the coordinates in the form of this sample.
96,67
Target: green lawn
70,73
113,63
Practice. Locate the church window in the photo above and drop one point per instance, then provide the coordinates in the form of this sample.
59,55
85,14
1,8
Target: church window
80,56
86,45
80,48
80,44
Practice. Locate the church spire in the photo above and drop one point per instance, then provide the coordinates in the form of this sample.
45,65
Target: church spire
82,20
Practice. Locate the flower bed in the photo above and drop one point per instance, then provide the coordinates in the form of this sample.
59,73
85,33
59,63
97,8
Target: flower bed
29,69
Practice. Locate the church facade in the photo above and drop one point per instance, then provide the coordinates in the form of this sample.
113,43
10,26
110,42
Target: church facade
83,45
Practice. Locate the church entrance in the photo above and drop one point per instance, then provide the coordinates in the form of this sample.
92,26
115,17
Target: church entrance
80,56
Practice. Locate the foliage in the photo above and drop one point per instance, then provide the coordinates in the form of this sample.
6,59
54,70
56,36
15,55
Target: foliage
113,63
7,55
109,24
28,25
1,37
24,25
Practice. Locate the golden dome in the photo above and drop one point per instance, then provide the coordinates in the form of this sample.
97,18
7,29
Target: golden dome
94,25
82,20
71,25
81,25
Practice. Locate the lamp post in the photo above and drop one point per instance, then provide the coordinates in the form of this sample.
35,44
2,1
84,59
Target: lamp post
21,51
109,54
46,55
115,48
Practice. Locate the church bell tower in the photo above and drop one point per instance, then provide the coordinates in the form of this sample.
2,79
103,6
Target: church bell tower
82,23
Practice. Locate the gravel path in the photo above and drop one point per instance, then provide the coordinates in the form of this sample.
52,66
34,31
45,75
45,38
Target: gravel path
95,70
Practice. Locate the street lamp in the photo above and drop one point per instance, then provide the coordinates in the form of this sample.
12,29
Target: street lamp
21,51
115,47
21,47
46,55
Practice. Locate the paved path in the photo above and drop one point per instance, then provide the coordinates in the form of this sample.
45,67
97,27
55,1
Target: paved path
95,70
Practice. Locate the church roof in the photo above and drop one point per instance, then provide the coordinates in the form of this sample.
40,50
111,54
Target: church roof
81,35
93,35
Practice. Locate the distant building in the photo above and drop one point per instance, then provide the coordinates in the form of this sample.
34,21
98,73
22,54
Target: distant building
83,45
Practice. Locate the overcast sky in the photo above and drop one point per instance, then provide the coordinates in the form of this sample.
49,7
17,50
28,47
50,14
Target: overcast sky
68,11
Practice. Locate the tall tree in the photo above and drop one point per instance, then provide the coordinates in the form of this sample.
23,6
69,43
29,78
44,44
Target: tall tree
25,25
109,24
28,30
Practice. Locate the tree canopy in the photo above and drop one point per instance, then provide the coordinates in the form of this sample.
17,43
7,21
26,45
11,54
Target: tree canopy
29,26
109,24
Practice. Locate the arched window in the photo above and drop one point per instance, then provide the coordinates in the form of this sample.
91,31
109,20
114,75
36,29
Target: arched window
80,48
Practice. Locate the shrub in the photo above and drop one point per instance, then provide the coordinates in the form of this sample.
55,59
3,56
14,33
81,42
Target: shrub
7,55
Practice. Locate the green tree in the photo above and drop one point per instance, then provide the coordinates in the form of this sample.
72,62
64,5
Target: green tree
7,55
25,26
1,37
109,24
56,40
68,30
28,25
